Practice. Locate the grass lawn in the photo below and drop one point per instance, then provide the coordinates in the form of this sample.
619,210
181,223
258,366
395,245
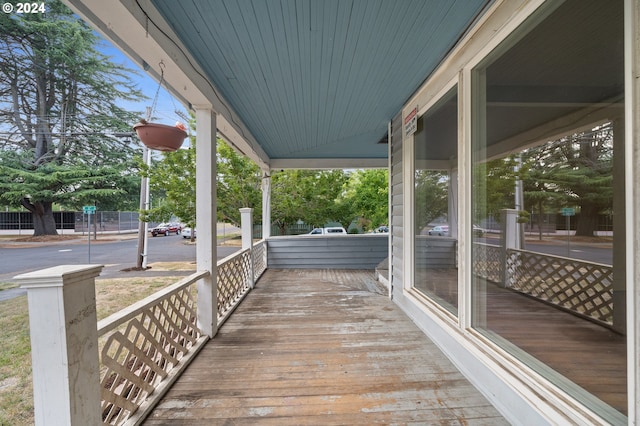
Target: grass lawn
16,390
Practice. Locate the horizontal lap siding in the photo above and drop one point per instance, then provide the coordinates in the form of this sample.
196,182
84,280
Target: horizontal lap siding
396,207
435,252
339,252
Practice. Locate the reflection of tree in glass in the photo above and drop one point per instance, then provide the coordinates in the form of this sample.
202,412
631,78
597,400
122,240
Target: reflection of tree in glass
576,170
431,196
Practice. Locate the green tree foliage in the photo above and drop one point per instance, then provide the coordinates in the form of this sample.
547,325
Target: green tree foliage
367,196
494,187
172,181
173,185
431,196
239,184
58,107
574,171
313,196
310,196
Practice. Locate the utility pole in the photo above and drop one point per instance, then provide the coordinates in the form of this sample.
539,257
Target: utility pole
143,227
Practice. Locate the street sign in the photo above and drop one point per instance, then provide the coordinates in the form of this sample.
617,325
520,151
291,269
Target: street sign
568,211
89,209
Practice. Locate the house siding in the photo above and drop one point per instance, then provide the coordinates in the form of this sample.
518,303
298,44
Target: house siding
337,252
396,208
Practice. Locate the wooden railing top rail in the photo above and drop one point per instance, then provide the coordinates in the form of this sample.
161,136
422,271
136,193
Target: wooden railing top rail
565,259
114,320
487,245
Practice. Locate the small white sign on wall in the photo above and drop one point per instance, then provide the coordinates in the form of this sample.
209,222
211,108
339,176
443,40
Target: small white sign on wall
411,122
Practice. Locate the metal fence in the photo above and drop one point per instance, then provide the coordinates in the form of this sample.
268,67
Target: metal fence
107,222
75,221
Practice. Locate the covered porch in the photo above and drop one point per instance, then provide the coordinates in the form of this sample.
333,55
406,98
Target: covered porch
353,84
321,346
307,345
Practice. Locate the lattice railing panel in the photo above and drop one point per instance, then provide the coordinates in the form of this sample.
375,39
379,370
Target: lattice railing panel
582,287
234,281
259,258
487,261
145,343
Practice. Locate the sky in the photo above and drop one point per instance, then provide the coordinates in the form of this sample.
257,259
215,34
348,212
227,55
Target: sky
165,111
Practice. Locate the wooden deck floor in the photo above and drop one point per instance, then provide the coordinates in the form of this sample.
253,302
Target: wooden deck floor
578,355
321,347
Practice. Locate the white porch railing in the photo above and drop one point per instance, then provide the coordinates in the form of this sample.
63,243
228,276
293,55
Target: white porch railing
259,258
125,363
150,343
146,347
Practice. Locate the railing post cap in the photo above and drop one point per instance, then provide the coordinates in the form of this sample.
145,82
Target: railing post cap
246,210
58,276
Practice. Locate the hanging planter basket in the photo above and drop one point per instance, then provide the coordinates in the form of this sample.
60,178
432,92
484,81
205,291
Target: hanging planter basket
160,136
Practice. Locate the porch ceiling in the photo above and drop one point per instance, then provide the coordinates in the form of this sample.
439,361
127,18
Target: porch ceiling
304,79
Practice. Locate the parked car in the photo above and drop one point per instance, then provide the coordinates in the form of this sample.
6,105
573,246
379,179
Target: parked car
186,232
381,230
333,230
167,229
440,230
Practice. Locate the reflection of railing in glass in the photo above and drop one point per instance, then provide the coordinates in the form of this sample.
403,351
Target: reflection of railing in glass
584,288
486,261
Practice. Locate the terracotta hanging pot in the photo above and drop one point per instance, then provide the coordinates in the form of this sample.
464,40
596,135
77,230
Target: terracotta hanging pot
160,136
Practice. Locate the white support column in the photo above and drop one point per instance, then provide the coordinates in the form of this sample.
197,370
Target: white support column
246,225
509,239
452,215
266,205
632,201
206,219
64,344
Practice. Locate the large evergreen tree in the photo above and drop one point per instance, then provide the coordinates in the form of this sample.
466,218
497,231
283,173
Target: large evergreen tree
59,107
574,171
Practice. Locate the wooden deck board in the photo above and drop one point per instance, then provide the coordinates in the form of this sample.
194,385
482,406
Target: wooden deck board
591,356
321,347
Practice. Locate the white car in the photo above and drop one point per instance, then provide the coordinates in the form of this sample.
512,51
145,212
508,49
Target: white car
334,230
440,230
186,233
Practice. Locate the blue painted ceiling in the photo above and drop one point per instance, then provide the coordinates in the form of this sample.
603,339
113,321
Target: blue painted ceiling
319,78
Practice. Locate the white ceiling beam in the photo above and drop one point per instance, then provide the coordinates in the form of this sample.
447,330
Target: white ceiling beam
329,163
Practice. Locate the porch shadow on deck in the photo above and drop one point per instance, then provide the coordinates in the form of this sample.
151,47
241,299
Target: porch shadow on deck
321,347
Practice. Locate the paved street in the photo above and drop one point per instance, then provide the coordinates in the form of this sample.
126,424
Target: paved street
117,253
590,252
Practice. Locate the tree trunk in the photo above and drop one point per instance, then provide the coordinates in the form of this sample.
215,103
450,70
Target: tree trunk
42,213
588,220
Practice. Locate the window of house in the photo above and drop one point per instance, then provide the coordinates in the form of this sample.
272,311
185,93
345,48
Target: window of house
435,194
548,279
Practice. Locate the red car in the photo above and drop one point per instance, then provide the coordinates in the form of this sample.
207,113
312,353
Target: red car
166,229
